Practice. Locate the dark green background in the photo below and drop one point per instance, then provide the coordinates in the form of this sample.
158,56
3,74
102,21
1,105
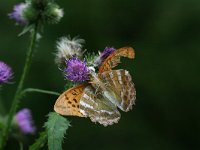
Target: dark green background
166,37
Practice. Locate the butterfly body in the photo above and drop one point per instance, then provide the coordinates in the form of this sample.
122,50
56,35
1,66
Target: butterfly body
103,87
106,91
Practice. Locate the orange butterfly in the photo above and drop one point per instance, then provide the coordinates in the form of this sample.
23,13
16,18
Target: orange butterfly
106,91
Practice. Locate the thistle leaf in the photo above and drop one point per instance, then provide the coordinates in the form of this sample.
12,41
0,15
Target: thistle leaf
26,29
56,127
40,142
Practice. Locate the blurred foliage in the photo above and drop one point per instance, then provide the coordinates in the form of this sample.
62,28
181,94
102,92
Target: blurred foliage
165,35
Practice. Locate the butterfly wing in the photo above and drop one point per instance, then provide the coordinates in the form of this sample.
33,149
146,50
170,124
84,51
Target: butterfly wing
68,103
114,58
120,81
98,108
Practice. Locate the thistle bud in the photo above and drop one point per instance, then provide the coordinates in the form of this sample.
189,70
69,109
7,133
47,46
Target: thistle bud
32,11
53,13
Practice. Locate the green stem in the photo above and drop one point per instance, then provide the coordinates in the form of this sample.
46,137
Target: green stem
39,91
40,142
17,96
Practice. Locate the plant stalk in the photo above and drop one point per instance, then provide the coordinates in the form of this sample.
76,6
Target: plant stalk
17,96
39,91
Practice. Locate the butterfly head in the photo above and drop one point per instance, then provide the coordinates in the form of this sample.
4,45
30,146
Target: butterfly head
91,69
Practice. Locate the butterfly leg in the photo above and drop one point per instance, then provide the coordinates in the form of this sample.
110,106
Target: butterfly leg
97,91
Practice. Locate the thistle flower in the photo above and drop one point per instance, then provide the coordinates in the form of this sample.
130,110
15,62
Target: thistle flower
17,14
76,70
68,48
5,73
107,51
33,11
24,121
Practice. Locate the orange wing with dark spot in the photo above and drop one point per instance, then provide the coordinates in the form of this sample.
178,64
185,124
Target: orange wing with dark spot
114,58
68,103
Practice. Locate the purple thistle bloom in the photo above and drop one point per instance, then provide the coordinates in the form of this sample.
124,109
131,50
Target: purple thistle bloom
25,122
17,14
5,73
76,70
107,51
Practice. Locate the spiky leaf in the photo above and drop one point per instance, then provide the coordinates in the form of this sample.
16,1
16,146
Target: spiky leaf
26,29
56,127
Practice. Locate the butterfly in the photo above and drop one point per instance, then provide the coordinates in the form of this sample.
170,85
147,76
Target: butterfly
100,98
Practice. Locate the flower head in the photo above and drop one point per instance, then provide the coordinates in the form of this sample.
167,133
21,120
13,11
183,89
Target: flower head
5,73
107,51
17,14
68,48
24,121
53,13
59,13
76,70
